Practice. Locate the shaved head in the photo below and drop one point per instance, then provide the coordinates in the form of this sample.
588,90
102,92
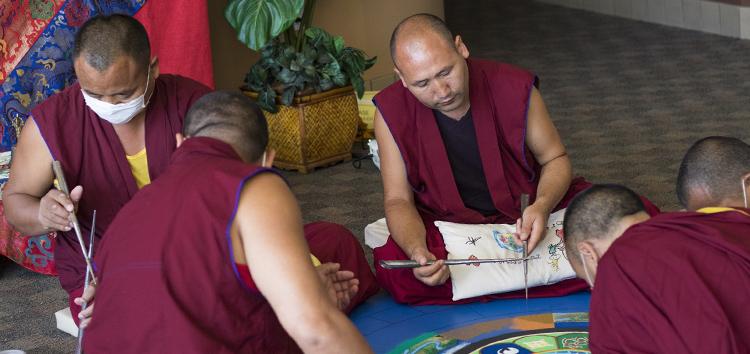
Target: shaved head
104,39
432,64
711,172
419,25
596,213
231,117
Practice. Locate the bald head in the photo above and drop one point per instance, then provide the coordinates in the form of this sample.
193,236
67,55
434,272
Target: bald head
104,39
232,118
712,171
416,27
596,214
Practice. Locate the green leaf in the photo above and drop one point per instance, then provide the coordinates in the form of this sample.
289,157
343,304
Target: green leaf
258,21
325,84
338,45
319,38
370,62
267,99
288,96
359,85
287,76
339,79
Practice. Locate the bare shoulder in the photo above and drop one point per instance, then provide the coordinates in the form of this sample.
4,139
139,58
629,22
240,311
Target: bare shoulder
264,185
266,199
31,166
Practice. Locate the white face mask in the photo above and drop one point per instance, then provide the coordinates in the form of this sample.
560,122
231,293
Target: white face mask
120,113
744,192
586,270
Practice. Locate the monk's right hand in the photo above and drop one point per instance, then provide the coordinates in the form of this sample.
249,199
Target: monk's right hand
432,275
56,209
86,298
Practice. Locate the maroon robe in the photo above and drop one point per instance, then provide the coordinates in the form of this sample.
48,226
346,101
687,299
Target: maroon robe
168,281
92,156
677,283
500,95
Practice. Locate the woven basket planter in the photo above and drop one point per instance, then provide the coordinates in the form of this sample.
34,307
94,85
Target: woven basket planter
318,130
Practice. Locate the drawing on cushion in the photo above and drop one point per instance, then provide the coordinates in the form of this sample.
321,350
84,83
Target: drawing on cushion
507,241
473,240
556,250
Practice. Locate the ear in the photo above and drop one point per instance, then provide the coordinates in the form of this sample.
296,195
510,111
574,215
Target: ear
461,47
588,251
401,77
746,179
270,156
180,139
154,67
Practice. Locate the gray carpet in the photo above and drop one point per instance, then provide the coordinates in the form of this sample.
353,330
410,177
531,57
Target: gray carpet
628,99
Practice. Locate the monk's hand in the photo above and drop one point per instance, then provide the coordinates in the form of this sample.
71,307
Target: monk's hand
56,209
532,225
432,275
86,298
341,285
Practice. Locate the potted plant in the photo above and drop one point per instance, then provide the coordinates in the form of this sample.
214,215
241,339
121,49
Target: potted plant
305,80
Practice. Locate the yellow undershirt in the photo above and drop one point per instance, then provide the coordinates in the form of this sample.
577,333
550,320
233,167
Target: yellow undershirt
711,210
139,167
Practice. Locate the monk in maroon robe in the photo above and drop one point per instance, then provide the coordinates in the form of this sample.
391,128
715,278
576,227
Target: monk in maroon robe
461,140
119,108
210,258
673,283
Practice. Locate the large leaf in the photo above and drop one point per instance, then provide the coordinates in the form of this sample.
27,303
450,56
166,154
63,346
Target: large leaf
258,21
359,85
267,99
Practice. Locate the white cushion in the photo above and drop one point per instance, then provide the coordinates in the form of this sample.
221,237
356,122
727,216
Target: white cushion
65,322
376,234
496,241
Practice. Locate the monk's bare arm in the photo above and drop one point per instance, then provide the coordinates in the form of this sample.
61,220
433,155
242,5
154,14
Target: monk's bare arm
545,143
30,206
270,227
404,222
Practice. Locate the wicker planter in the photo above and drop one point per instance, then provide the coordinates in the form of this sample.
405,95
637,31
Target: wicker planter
318,130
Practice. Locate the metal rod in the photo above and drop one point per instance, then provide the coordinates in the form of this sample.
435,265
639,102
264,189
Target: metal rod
79,348
57,169
399,264
524,205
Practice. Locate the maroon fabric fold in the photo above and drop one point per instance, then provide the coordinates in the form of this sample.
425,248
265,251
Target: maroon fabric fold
677,283
92,156
168,282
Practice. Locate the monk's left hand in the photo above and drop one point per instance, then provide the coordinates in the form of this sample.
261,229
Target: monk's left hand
86,298
532,225
340,284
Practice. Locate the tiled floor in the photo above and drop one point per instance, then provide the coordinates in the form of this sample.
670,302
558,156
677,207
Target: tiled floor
385,324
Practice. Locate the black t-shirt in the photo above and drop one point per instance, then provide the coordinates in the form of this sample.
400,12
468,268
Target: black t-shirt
460,140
